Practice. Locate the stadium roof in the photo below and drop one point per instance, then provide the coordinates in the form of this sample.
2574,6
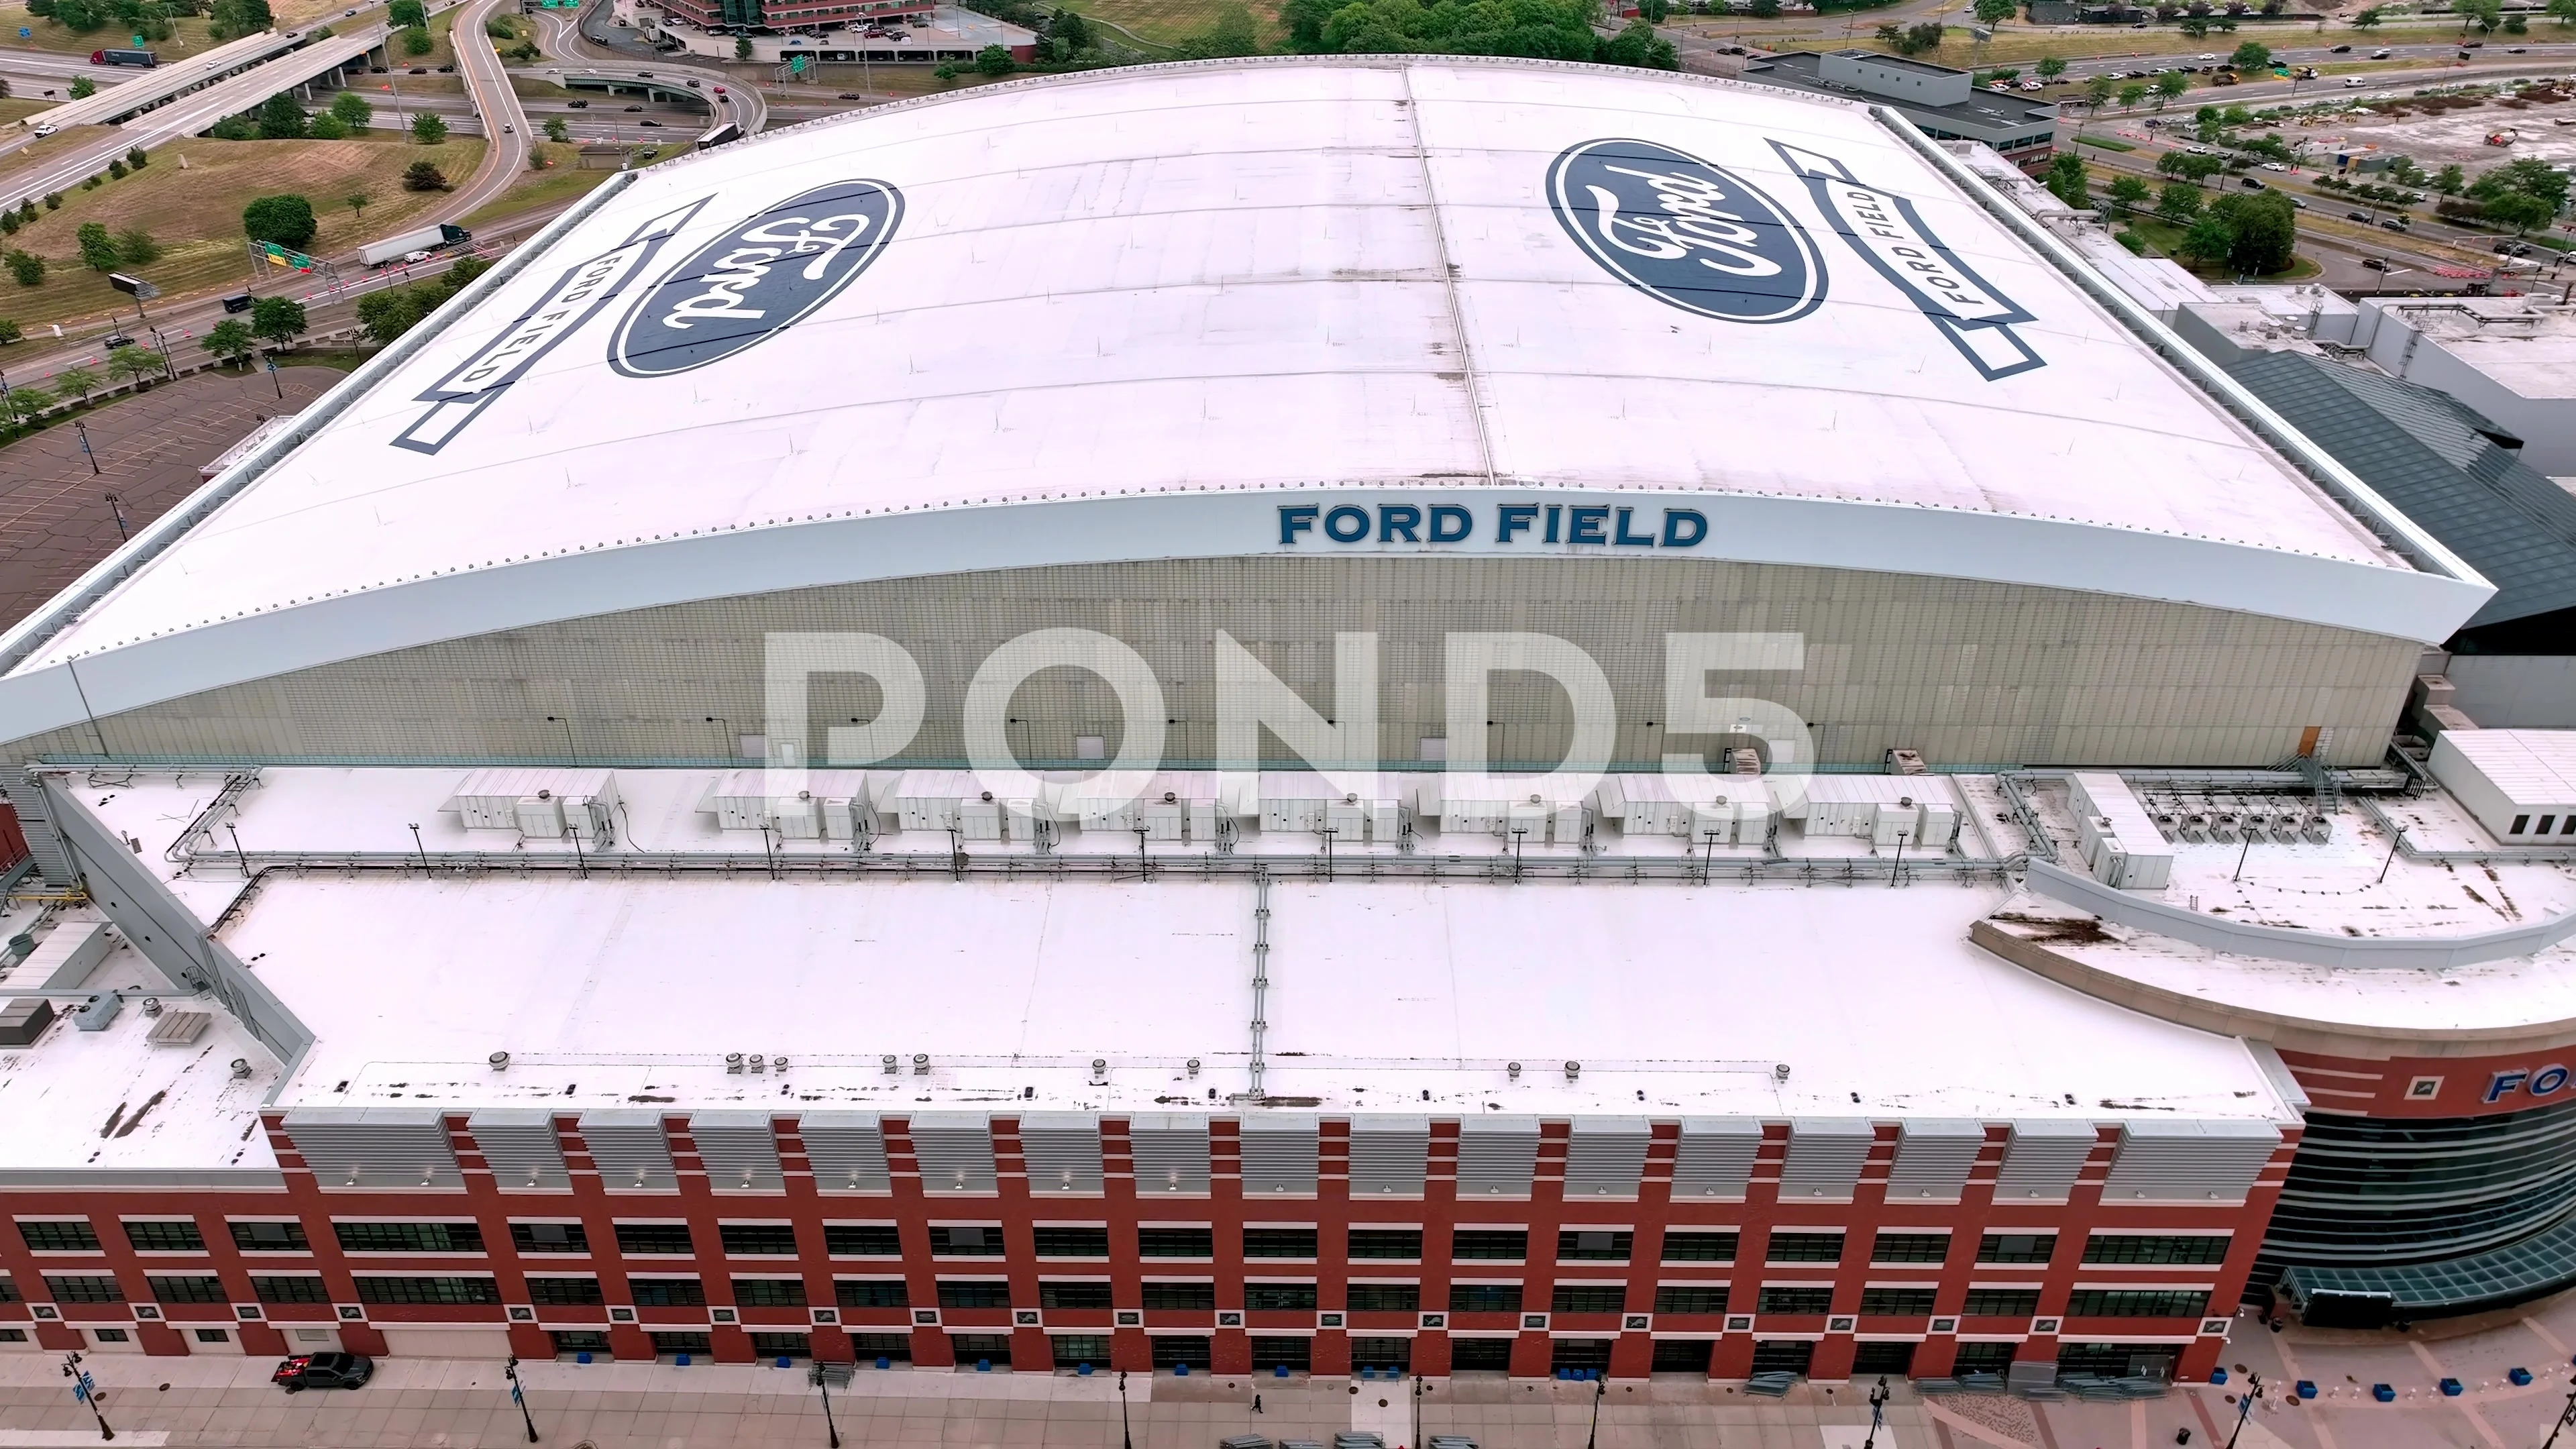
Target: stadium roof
1129,314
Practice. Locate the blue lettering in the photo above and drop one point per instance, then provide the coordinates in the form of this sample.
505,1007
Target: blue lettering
1451,523
1346,524
1555,514
1295,519
1588,523
1677,519
2548,1080
2503,1082
1642,540
1513,518
1398,520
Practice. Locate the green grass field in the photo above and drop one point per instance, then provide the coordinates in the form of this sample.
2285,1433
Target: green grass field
1168,22
557,184
188,35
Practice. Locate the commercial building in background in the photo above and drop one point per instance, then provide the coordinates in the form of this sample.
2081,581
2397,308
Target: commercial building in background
1945,103
1459,715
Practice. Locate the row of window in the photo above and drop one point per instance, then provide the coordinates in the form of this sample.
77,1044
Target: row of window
1364,1244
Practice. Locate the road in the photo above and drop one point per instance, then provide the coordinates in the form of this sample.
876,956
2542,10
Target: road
151,87
569,40
505,121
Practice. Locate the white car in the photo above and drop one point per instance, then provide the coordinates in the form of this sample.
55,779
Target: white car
2032,85
2207,56
2276,165
2354,80
44,131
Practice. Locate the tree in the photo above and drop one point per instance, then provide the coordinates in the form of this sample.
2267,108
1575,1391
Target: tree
2563,11
2170,86
2252,55
1764,9
352,110
2178,202
994,60
406,14
2530,176
97,249
25,268
137,157
424,176
242,17
83,88
2206,240
2484,14
136,248
2193,28
1654,12
416,41
2132,93
1233,34
286,220
9,332
231,341
2050,67
742,47
2098,89
2368,20
2066,180
2450,179
1070,30
2519,210
557,131
1996,12
75,380
281,119
327,127
276,320
2128,192
27,402
131,363
2189,165
2263,231
428,129
358,202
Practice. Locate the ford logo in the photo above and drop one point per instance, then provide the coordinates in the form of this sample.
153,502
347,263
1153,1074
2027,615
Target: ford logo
758,278
1686,232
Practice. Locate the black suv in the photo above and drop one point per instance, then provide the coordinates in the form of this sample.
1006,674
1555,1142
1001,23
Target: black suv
324,1371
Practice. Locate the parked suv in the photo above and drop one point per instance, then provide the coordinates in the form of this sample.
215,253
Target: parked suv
324,1371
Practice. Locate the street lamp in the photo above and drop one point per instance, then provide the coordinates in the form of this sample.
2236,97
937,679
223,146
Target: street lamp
1877,1413
83,429
510,1371
1600,1386
2385,273
2566,1416
1127,1436
571,749
116,506
816,1376
2245,1406
85,1389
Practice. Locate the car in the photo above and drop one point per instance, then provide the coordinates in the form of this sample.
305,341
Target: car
2354,80
43,130
576,105
849,96
2250,183
2394,223
2472,45
2298,205
2375,264
420,70
720,90
375,70
631,110
648,123
643,75
2207,56
323,1371
2516,49
693,85
2031,85
2340,50
2464,55
509,130
115,340
2276,165
2382,53
2360,216
447,70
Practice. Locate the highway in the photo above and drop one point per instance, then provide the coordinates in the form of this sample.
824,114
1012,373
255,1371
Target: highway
583,56
505,121
161,83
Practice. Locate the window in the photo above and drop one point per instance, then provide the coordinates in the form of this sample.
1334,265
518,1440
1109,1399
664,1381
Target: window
1172,1350
2153,1248
1699,1247
1588,1298
13,1335
1910,1248
191,1288
1882,1358
980,1293
1696,1298
296,1288
1783,1355
2001,1303
667,1292
981,1347
1385,1297
1279,1242
1297,1355
84,1288
213,1335
876,1240
564,1292
1072,1243
1175,1242
1382,1353
648,1238
1190,1296
871,1293
549,1238
966,1242
1681,1356
1484,1298
759,1239
1896,1302
1480,1355
579,1340
2546,821
1059,1293
283,1237
675,1343
425,1289
1594,1245
165,1237
1489,1245
2520,823
891,1347
769,1292
782,1345
2016,1247
1983,1358
112,1335
2137,1303
1586,1354
409,1237
71,1236
1075,1350
1805,1248
1795,1300
1279,1298
1392,1245
9,1290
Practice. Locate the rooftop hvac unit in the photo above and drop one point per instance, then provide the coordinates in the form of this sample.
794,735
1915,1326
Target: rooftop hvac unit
1500,805
1744,760
1685,805
2122,844
2319,827
1906,762
798,804
1165,805
1850,805
539,803
2194,825
2225,824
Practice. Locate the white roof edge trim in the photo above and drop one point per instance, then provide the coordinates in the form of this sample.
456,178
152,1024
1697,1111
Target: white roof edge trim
1866,536
2337,482
64,609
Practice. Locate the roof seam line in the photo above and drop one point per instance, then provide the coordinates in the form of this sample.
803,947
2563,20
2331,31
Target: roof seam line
1449,282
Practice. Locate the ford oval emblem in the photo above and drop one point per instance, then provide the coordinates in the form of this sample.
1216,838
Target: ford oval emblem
759,277
1686,232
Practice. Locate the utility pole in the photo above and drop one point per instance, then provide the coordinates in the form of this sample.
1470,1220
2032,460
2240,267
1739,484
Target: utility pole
510,1371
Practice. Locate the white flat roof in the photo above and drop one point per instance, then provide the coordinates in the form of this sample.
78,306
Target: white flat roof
1129,314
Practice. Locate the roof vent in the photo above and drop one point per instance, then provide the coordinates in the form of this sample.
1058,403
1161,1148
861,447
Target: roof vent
500,1061
1780,1073
1193,1065
892,1066
921,1064
1512,1070
1573,1070
1099,1071
778,1064
152,1006
241,1067
759,1064
987,797
733,1064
